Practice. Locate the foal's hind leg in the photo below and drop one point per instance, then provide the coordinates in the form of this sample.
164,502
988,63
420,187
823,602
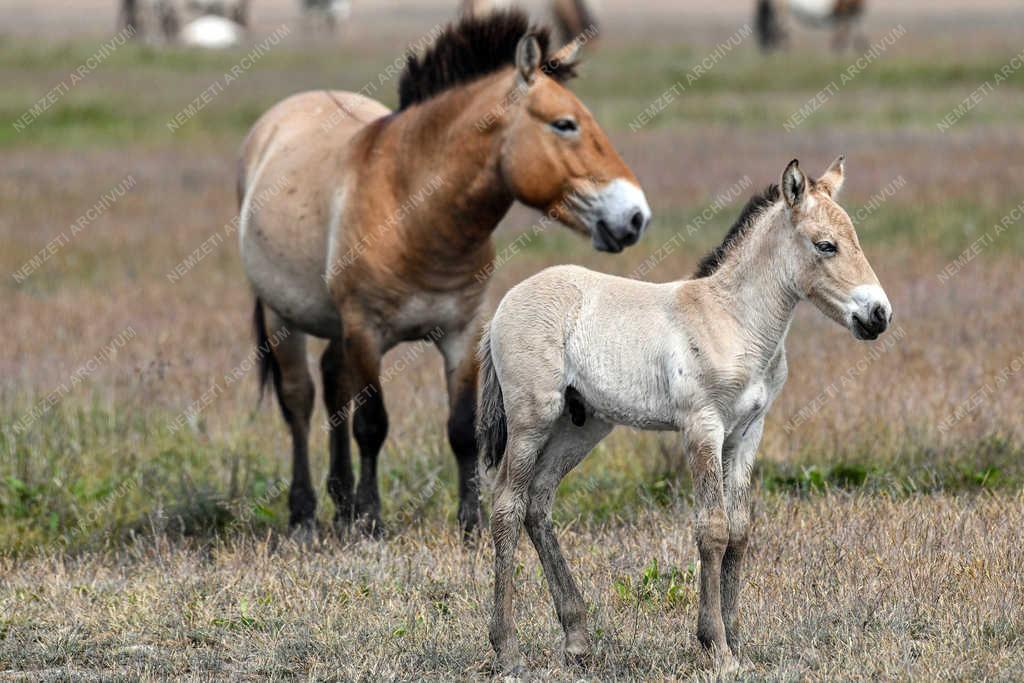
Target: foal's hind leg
295,393
568,445
528,430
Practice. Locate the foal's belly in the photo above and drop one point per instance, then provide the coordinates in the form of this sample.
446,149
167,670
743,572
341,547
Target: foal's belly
622,391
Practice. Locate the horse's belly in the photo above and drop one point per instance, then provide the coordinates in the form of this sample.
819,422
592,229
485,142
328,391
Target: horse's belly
814,10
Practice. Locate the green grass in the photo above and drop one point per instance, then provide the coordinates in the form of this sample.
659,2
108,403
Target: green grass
132,94
88,474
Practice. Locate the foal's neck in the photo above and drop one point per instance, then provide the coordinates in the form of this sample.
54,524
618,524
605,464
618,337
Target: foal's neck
755,284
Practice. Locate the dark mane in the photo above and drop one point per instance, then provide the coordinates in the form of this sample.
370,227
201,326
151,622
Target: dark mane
471,48
754,208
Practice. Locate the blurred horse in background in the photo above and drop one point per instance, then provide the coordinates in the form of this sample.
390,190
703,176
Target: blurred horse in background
201,23
329,13
574,18
845,16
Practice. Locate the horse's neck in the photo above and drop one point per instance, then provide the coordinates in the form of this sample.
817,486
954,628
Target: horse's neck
755,286
442,149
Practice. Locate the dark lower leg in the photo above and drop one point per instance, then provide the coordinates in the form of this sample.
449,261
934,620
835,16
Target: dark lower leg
370,426
301,497
294,388
340,478
568,601
732,569
462,437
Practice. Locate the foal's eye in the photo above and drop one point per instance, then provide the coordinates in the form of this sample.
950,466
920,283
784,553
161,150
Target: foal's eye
566,125
825,247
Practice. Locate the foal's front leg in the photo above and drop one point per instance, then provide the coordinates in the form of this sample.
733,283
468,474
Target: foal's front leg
738,458
704,452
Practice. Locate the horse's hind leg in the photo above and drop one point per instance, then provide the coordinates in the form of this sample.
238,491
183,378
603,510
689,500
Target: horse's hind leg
295,394
568,445
340,480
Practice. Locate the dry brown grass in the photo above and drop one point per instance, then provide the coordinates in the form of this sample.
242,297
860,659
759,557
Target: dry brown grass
839,587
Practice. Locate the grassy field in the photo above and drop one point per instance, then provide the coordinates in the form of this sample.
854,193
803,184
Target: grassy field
890,483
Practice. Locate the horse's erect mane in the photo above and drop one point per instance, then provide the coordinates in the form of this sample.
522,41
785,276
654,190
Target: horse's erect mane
757,205
471,48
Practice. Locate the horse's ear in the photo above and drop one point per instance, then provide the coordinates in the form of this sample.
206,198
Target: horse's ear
832,180
527,59
568,54
794,184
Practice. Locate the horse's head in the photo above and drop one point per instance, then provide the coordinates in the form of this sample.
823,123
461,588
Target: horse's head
832,270
556,158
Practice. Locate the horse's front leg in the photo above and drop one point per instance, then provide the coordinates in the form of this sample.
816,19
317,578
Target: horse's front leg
352,388
459,351
704,453
738,459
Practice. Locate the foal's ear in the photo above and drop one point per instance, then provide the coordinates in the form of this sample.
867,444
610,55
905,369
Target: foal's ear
794,184
527,59
832,180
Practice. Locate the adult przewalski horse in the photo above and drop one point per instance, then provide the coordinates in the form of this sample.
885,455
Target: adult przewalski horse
570,353
369,228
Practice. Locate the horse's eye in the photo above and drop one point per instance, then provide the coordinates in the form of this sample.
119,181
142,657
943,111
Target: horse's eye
565,125
825,247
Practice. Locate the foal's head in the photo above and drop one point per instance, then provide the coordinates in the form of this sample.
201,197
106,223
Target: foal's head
555,157
831,269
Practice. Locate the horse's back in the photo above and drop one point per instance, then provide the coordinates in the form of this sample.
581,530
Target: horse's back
291,169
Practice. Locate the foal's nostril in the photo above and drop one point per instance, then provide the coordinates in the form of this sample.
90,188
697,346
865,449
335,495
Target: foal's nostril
637,221
878,315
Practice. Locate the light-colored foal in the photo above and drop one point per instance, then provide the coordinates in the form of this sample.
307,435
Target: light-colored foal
570,353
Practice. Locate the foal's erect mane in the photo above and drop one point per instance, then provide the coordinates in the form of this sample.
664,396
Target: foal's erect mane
757,205
471,48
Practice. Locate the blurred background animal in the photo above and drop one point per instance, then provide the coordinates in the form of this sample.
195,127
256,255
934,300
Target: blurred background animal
843,16
574,19
200,23
326,13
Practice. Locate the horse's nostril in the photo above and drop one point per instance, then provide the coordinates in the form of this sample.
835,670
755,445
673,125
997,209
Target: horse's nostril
637,221
878,314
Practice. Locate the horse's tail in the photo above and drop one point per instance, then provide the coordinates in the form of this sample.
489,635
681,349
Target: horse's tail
268,363
769,32
491,422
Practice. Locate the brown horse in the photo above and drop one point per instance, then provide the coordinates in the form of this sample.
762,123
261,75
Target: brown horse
370,228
